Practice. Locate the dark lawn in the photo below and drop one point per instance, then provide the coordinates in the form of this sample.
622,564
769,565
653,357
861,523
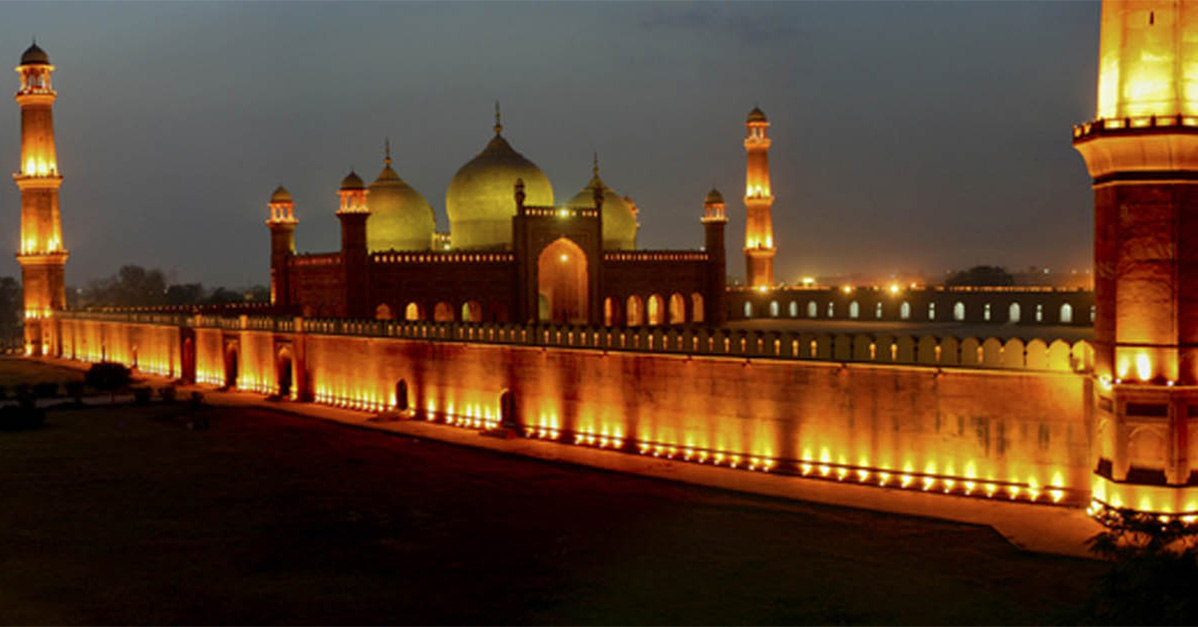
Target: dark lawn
123,515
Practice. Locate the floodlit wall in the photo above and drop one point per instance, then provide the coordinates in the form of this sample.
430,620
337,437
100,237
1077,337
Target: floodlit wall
968,416
153,348
988,427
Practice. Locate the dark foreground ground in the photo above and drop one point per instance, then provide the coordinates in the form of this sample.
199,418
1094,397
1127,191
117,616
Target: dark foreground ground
123,515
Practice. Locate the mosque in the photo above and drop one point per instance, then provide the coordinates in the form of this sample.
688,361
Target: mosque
511,255
546,320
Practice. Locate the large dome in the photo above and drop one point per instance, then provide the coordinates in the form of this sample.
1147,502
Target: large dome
400,217
619,221
481,199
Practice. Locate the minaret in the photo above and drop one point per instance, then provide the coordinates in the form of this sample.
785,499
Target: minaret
282,225
714,219
759,200
1141,151
42,256
355,257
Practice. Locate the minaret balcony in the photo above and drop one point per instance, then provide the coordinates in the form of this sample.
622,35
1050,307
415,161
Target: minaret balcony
1145,145
37,181
35,96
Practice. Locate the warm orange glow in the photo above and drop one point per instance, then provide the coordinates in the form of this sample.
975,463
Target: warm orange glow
1148,59
1143,367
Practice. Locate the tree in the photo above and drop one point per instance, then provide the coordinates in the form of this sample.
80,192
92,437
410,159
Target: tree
108,376
131,286
1153,578
11,305
981,276
185,294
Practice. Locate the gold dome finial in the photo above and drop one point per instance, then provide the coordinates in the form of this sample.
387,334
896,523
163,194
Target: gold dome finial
498,123
387,150
595,168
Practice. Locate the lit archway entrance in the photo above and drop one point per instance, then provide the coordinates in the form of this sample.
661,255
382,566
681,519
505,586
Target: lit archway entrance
231,366
507,410
284,373
401,395
697,313
443,312
635,311
383,312
677,309
655,310
412,312
472,312
562,283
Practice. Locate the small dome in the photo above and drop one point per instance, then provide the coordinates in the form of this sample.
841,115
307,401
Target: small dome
757,115
400,217
714,197
281,195
352,181
619,220
35,56
481,200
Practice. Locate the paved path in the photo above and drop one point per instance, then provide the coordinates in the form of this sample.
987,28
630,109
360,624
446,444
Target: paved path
1040,528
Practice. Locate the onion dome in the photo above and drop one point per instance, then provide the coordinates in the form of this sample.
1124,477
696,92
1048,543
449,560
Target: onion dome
480,199
619,219
352,182
281,195
714,197
35,56
757,115
400,217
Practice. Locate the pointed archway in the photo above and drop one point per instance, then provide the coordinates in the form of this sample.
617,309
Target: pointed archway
562,283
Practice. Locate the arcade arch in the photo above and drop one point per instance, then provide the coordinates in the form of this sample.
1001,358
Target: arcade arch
562,282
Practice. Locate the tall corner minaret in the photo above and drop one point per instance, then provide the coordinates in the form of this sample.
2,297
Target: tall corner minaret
42,256
1141,151
282,225
759,202
355,255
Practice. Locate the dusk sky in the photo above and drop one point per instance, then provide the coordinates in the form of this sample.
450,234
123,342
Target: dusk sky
907,136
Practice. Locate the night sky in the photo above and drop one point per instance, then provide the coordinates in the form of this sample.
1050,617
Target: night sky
907,136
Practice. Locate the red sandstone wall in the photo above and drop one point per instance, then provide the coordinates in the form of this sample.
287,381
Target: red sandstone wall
1022,427
989,425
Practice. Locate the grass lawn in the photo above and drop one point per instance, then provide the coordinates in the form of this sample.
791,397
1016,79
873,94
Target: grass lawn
19,370
123,515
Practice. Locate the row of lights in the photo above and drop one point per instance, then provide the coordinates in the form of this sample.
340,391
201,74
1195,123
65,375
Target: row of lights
1109,515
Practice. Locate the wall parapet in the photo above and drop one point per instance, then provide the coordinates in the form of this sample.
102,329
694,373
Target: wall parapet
926,350
655,255
440,257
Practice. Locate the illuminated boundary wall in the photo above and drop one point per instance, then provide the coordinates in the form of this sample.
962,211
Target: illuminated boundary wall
1028,305
834,407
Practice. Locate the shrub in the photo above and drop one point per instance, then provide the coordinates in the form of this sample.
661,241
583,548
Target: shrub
168,393
142,394
108,376
1153,572
197,400
46,389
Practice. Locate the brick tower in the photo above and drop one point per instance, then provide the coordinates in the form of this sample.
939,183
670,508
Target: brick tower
759,200
282,225
714,219
1141,151
355,257
42,256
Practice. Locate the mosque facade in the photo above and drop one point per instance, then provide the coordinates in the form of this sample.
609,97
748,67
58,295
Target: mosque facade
546,320
511,255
